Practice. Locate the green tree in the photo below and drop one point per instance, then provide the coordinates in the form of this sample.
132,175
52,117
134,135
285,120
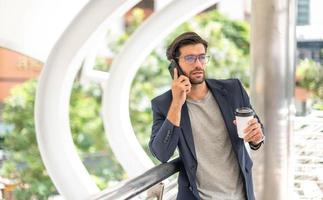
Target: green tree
309,75
306,73
25,165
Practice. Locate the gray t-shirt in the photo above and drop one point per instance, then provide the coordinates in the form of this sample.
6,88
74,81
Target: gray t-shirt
218,172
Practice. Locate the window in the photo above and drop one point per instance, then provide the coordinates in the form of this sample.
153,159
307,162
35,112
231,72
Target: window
303,12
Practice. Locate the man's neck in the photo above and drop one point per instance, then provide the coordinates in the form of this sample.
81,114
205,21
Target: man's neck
198,91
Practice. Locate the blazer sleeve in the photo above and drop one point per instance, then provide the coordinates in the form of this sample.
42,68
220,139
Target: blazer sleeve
164,136
247,103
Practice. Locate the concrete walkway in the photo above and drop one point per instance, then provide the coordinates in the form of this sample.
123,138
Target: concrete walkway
308,152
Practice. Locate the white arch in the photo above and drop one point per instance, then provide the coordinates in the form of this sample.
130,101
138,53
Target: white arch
116,94
32,27
52,100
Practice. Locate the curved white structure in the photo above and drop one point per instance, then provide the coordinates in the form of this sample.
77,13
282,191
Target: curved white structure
52,120
32,27
52,101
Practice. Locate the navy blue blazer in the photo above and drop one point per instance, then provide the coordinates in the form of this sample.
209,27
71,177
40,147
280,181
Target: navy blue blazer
165,137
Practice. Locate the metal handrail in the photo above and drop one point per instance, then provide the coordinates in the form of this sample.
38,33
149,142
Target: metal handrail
141,183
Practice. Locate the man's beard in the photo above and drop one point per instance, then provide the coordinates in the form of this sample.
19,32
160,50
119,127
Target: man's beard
196,80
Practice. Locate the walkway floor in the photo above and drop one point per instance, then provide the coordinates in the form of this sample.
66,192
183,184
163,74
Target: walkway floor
308,144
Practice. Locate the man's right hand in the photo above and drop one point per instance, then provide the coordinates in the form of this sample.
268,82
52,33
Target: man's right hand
181,86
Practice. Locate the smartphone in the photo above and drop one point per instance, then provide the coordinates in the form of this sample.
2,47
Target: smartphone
172,66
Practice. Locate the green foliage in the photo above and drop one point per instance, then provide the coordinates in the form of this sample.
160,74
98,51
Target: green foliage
234,30
25,165
228,45
85,123
318,105
137,16
306,74
102,64
309,75
88,135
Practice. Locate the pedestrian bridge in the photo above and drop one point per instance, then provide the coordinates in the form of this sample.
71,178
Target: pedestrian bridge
272,72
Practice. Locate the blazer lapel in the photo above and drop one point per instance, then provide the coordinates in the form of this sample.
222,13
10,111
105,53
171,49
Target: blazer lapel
187,129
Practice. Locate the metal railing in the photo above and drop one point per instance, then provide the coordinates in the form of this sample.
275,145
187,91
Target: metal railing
137,185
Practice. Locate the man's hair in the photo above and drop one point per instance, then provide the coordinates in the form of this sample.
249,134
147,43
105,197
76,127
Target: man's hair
184,39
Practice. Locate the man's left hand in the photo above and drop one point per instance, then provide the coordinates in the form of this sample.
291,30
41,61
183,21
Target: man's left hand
253,133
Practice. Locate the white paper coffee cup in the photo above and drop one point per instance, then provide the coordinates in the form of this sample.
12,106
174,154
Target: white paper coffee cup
243,116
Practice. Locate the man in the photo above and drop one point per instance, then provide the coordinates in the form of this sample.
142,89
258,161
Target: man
197,116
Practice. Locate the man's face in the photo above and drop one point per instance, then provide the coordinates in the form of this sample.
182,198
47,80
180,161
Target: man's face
192,60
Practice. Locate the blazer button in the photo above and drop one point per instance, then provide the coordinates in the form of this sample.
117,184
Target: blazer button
193,167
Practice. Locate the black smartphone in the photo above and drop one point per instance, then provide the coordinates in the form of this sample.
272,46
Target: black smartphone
172,66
